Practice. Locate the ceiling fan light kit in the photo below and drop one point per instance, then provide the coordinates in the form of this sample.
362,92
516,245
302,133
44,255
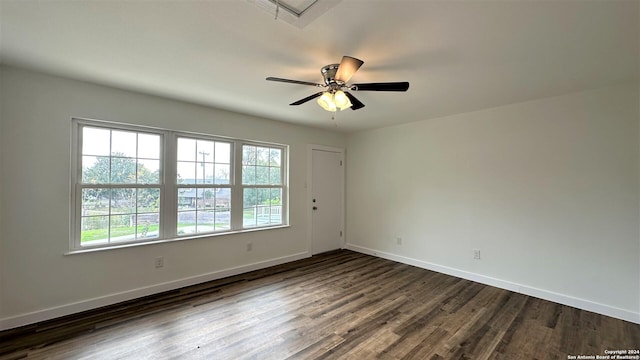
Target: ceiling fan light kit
333,101
341,100
336,77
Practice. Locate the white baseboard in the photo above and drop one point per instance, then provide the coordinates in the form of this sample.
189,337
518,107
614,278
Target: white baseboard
76,307
583,304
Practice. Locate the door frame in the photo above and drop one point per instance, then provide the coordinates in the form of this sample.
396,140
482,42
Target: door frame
309,186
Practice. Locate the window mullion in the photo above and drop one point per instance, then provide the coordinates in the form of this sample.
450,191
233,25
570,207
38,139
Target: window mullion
169,192
237,205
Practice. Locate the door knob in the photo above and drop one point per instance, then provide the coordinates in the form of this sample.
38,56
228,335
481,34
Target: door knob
315,208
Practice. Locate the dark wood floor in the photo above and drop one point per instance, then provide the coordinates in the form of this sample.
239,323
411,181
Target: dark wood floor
340,305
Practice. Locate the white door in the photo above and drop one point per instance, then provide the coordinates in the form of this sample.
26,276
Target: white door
327,199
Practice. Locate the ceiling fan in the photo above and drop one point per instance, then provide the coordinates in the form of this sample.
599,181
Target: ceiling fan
336,77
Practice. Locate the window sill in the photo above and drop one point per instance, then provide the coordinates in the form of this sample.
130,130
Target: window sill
163,241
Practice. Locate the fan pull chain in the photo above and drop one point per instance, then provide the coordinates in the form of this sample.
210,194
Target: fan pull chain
277,9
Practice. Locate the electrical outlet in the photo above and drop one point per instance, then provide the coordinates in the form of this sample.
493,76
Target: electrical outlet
399,240
476,254
249,246
159,262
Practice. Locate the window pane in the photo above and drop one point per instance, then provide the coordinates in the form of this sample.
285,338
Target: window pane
250,197
95,202
222,174
206,198
223,198
262,207
263,196
148,201
223,153
262,156
123,170
123,143
204,149
96,170
249,217
186,149
276,206
223,219
248,155
248,175
275,197
186,222
123,201
94,230
148,146
187,198
204,173
249,208
148,171
147,225
96,141
186,172
121,228
275,177
262,175
205,221
274,157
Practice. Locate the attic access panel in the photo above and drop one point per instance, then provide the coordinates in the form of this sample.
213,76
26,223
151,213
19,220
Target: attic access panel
298,7
299,13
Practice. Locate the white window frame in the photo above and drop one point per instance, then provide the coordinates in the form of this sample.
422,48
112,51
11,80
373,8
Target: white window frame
168,223
204,185
283,180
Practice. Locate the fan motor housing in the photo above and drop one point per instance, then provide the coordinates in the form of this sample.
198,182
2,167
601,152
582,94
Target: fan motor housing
329,74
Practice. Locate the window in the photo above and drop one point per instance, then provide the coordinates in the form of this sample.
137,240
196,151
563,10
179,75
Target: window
262,180
119,186
204,185
137,184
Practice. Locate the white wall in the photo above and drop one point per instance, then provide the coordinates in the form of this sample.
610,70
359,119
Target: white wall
548,190
38,280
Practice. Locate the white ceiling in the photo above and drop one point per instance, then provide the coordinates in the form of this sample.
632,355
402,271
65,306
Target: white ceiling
459,56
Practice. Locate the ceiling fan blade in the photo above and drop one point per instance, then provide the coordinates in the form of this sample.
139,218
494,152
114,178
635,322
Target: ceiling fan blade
355,103
348,66
271,78
387,86
302,101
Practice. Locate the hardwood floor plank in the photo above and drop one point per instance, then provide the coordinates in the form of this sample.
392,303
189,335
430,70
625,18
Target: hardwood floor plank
339,305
